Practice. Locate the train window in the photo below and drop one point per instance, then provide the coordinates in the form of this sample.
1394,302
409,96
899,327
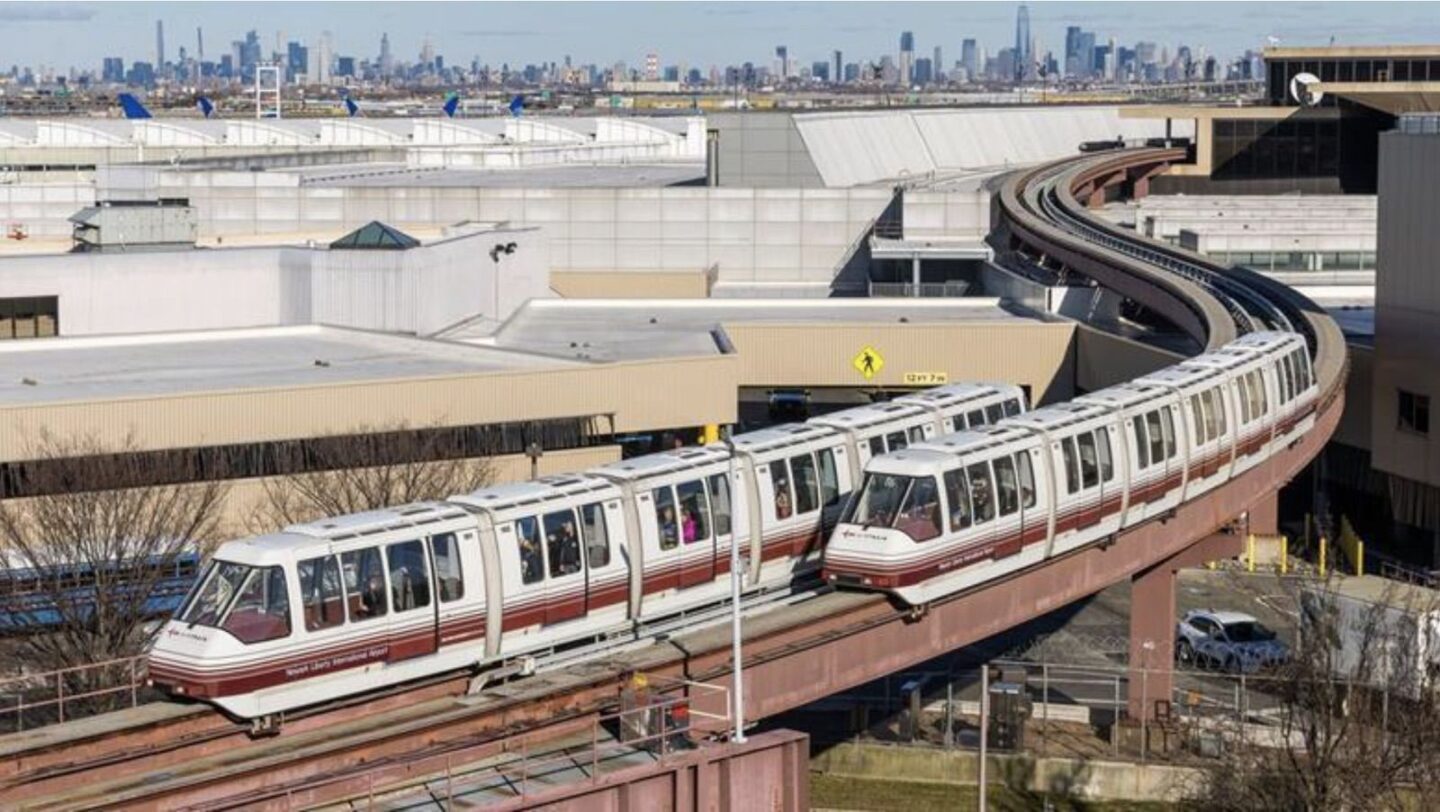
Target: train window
320,593
1089,459
1168,424
1107,460
1027,479
1012,407
1217,397
221,582
447,567
981,492
1204,417
261,609
409,581
1303,362
957,423
562,543
916,434
1142,452
879,500
895,440
1006,486
1156,436
976,418
877,446
1197,419
959,499
1258,400
595,535
364,583
1072,465
532,559
920,514
829,479
993,413
1243,392
784,498
665,520
807,485
719,503
694,511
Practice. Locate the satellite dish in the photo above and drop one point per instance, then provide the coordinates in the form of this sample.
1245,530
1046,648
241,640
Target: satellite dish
1300,89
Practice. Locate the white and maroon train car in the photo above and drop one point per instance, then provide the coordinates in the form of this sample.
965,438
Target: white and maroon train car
951,513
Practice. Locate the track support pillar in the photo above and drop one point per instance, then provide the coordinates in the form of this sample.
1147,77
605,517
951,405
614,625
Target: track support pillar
1152,622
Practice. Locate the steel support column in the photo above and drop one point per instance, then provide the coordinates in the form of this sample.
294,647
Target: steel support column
1152,621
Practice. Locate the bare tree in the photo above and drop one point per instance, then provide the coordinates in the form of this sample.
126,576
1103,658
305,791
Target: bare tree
367,470
89,549
1358,723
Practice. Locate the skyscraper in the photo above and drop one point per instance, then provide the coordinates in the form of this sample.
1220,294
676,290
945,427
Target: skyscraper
939,66
387,60
1023,57
835,72
907,57
782,59
159,43
969,58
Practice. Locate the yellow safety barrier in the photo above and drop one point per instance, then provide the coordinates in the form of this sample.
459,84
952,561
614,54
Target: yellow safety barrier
1323,544
711,434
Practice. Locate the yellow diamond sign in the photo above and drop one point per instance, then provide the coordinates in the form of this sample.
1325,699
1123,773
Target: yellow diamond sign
868,362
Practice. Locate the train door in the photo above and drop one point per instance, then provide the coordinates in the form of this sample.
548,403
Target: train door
660,535
565,588
449,579
414,629
1087,453
607,582
834,485
697,534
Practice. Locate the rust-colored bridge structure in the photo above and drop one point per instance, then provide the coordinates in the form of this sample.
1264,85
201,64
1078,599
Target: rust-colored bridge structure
166,756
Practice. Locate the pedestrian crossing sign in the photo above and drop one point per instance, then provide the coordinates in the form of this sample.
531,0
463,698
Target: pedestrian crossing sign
868,362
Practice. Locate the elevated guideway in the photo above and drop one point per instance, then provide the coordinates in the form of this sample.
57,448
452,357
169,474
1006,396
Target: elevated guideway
798,653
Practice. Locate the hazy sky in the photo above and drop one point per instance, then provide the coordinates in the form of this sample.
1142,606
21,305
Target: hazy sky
62,34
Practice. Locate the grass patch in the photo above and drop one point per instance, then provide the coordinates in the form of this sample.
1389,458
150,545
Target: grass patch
876,795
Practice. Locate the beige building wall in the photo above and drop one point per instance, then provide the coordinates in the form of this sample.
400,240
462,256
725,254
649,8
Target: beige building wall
625,390
631,284
1037,355
1102,359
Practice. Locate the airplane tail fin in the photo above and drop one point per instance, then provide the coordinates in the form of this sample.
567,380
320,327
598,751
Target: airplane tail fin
351,107
451,105
517,104
207,107
132,106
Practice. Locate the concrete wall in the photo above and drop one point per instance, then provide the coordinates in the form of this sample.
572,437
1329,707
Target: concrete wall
1090,780
630,284
417,291
938,215
43,209
764,150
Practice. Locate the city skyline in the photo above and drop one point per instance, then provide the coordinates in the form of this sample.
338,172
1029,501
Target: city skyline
63,36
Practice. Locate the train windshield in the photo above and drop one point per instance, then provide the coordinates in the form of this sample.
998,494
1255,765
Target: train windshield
910,504
251,603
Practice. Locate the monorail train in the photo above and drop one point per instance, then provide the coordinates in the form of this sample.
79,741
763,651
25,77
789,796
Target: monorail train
951,513
342,606
1102,146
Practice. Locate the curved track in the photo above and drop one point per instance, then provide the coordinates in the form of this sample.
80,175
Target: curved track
830,643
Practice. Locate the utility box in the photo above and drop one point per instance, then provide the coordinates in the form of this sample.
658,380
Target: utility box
1010,707
141,225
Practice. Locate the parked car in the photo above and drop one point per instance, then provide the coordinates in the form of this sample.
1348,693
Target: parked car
1232,641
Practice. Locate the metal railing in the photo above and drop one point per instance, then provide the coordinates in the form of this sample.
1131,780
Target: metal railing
35,700
660,728
927,290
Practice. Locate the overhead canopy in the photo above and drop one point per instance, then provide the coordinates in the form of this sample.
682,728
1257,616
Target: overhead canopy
376,236
1387,97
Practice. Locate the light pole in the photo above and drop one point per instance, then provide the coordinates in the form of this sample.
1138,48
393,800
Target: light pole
736,669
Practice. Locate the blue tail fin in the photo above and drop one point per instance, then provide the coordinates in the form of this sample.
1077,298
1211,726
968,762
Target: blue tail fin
516,105
451,105
132,106
207,107
351,107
